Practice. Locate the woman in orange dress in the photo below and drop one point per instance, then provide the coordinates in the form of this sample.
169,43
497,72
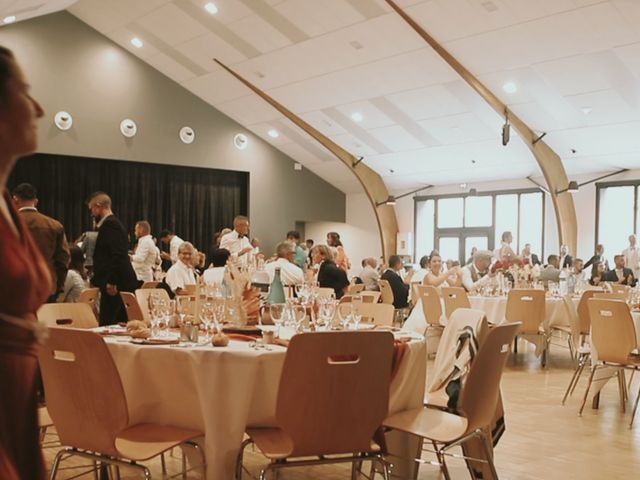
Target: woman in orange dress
25,283
341,259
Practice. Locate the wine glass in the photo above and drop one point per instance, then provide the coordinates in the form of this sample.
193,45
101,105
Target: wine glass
327,311
345,312
277,310
298,313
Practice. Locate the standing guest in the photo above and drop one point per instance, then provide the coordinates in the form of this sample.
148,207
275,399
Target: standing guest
620,274
329,274
342,261
631,257
215,273
217,237
476,275
566,260
399,286
255,245
76,280
168,237
293,237
578,269
504,251
181,273
309,243
112,270
422,272
26,276
369,274
598,256
146,255
47,233
529,257
597,273
439,278
290,273
237,241
87,243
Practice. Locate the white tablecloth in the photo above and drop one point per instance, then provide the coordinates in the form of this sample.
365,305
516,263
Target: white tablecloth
222,390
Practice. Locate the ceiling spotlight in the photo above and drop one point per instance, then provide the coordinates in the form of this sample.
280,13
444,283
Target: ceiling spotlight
572,187
211,8
187,135
9,19
463,185
473,192
574,151
506,129
240,141
136,42
273,133
510,87
63,120
586,110
128,128
357,117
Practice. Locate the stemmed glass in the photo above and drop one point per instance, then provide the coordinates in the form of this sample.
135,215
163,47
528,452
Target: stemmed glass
345,312
327,311
298,314
208,318
182,307
277,310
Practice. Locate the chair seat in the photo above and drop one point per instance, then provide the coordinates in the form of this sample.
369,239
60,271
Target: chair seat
147,440
429,423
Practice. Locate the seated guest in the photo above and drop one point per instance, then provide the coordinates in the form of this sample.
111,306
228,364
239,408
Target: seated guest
438,278
597,273
181,273
419,275
215,272
578,270
300,259
477,274
290,273
369,274
551,273
399,287
329,274
620,274
76,280
528,257
598,256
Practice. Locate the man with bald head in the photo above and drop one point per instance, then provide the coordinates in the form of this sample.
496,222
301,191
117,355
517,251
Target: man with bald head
112,270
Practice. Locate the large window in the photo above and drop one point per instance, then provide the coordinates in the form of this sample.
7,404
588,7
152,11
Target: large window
454,224
617,215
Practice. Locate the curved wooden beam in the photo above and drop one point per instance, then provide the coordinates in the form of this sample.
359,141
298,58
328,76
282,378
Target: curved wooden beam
371,182
548,160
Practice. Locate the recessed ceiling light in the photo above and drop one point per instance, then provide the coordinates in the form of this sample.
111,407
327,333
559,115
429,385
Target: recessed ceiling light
9,19
357,117
510,87
136,42
356,45
259,74
463,185
586,110
211,8
273,133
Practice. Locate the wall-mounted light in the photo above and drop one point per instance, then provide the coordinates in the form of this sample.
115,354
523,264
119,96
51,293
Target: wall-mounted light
187,135
63,120
506,128
128,128
572,187
391,200
240,141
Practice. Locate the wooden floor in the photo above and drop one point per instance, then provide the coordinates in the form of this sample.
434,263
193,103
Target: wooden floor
543,440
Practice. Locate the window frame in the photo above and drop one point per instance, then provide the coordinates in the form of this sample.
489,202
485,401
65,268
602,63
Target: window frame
620,183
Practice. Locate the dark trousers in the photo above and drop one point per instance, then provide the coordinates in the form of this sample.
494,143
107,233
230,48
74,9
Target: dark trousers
112,310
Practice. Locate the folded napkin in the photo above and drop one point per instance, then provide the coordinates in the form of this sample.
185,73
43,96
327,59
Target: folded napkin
248,330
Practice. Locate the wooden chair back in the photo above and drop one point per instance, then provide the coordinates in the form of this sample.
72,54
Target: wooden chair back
481,390
153,284
334,391
72,315
367,297
85,397
583,312
386,293
325,292
354,288
189,289
144,294
454,297
574,320
92,297
377,313
526,305
617,288
613,333
431,304
611,295
134,312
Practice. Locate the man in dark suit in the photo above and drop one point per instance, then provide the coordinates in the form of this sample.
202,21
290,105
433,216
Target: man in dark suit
399,286
48,234
329,274
112,270
566,260
621,274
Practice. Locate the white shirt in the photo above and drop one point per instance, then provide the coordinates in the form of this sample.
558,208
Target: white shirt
234,243
180,275
632,260
370,277
467,278
290,273
213,275
145,258
73,286
418,277
174,245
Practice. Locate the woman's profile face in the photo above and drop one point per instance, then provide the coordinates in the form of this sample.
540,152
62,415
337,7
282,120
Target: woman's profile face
600,268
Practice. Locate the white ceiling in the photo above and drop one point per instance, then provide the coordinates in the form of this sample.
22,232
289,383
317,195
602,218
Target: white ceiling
421,124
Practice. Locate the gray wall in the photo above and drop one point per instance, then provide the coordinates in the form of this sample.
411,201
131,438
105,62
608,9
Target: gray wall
72,67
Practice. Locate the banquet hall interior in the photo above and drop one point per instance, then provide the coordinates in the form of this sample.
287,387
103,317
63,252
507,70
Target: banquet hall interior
425,133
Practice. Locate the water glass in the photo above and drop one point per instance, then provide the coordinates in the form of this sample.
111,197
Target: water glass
277,311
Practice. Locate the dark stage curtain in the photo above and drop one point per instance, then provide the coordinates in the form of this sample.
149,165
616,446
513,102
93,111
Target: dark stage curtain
194,202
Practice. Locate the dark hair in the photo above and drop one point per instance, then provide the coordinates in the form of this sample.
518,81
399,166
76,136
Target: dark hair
424,261
219,257
293,234
25,191
552,257
334,238
76,261
309,241
594,269
394,260
7,71
164,233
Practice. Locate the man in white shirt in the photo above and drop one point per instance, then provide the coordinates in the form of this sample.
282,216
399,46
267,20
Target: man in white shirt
146,255
181,273
631,258
290,273
369,274
477,274
237,242
174,241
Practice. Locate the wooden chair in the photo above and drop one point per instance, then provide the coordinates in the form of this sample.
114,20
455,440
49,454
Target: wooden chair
454,297
74,315
478,401
366,297
431,307
92,297
386,293
150,285
611,295
528,306
325,292
617,288
332,397
584,317
143,295
613,336
377,313
583,352
93,420
134,312
355,288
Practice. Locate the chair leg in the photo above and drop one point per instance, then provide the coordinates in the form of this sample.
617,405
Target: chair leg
621,390
56,464
576,377
630,379
163,463
515,344
488,453
240,458
585,359
443,465
586,392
